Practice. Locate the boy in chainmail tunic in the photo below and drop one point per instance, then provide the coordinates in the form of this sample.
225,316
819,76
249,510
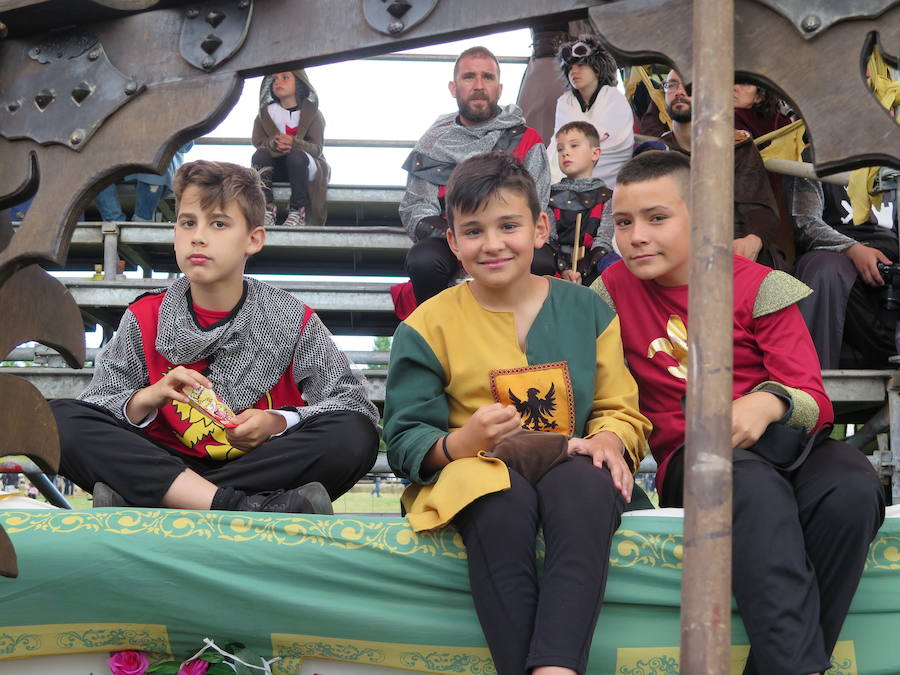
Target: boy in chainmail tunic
305,431
578,193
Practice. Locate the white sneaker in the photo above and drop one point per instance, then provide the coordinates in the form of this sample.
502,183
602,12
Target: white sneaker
296,218
271,213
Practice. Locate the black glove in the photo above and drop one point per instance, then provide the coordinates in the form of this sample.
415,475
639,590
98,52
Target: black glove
430,226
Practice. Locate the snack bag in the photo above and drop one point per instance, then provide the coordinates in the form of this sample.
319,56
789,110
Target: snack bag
206,401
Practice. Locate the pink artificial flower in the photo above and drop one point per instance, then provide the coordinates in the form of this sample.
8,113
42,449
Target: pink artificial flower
129,662
194,667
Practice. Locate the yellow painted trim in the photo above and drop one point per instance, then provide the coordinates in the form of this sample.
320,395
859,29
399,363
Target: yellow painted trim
82,638
663,660
293,649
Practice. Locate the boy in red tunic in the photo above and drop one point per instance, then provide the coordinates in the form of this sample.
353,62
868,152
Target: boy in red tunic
800,537
305,430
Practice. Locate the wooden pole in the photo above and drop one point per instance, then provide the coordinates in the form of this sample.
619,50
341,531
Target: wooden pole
576,249
706,584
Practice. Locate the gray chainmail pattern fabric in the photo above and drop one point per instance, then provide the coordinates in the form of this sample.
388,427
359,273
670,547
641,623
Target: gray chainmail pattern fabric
247,355
448,141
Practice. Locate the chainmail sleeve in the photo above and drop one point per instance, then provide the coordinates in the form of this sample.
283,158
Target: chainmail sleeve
419,201
537,165
323,373
807,203
119,370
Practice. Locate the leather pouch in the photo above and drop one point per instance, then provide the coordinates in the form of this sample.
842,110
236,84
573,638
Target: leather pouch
532,453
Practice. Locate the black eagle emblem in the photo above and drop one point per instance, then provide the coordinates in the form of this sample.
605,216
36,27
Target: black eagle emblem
536,411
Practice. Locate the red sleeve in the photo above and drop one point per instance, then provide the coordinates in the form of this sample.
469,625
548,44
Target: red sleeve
790,357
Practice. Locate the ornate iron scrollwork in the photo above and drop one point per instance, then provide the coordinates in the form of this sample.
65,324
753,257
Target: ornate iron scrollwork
68,97
213,31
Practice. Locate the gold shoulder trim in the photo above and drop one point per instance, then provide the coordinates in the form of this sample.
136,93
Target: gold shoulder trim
777,291
600,289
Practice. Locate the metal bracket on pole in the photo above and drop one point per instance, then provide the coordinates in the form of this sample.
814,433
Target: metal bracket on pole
110,250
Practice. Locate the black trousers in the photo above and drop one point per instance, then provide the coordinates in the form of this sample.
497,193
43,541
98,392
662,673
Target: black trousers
431,266
336,449
530,623
799,546
292,167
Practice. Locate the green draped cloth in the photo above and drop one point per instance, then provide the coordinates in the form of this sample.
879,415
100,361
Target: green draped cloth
358,589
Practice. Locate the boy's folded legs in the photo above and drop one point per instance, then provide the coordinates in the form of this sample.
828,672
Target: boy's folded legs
820,520
334,449
527,626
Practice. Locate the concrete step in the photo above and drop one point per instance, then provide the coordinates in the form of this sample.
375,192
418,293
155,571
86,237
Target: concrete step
68,383
347,308
45,356
329,250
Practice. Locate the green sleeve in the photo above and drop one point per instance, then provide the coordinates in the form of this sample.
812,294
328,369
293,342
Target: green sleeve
415,407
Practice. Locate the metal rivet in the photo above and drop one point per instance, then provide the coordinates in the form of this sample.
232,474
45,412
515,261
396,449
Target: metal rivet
77,137
211,43
81,92
243,4
44,98
214,18
4,31
395,27
130,87
398,8
193,13
94,54
811,23
208,62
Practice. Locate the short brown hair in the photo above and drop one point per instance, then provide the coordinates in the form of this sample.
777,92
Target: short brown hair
478,50
481,177
588,129
658,164
223,182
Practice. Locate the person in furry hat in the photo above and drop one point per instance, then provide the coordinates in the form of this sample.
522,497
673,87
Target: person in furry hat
288,135
591,96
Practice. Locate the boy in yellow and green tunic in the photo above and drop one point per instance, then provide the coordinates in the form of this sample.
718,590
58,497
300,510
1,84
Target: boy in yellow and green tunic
475,365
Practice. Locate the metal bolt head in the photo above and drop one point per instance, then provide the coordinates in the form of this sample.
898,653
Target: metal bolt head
395,27
94,54
811,23
4,31
243,4
208,62
193,13
130,87
77,137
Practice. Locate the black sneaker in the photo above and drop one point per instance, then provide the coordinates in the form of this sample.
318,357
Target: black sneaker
105,496
309,498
